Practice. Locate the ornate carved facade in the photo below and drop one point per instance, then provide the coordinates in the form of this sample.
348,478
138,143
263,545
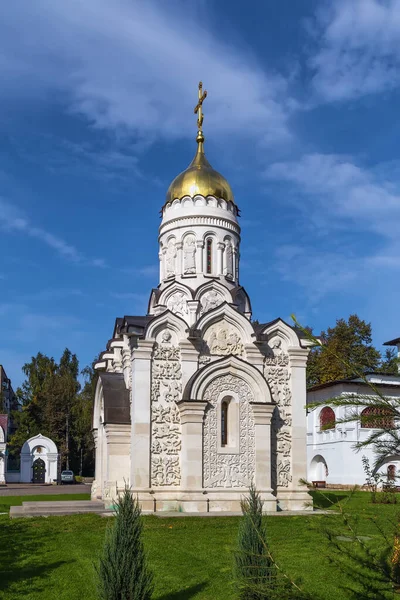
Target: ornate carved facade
166,390
194,401
235,468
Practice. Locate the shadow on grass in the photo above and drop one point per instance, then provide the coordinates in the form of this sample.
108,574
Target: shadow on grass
326,499
22,565
185,594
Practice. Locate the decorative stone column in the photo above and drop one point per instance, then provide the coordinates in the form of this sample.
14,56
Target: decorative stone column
118,446
220,258
262,414
236,264
199,256
161,258
295,496
96,489
140,415
189,357
192,415
2,464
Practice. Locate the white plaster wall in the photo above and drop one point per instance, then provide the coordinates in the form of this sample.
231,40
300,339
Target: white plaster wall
30,453
336,446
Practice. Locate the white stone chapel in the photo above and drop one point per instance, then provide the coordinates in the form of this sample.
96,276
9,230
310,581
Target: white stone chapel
194,401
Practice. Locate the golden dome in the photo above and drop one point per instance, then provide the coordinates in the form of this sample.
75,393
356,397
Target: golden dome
199,178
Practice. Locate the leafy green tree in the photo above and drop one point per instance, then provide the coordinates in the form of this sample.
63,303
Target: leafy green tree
47,397
390,363
81,429
346,350
123,571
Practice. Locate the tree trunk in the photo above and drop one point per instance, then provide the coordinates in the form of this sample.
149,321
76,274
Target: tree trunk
67,443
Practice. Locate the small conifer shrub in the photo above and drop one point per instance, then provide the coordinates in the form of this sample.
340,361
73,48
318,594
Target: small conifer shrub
257,575
255,571
123,572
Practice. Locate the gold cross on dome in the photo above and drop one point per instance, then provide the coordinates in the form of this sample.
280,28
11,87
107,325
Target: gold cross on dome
199,107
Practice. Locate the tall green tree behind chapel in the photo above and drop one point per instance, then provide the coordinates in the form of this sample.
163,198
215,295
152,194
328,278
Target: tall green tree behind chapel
53,406
348,350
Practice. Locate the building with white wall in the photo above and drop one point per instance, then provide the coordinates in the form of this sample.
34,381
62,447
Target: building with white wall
39,460
331,456
194,402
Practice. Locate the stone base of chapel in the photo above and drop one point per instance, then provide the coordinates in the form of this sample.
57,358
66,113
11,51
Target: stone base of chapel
214,501
297,499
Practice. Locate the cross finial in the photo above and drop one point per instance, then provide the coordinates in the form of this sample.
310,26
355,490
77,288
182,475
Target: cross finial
199,111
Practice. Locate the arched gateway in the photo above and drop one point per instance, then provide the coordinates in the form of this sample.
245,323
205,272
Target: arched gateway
194,401
39,457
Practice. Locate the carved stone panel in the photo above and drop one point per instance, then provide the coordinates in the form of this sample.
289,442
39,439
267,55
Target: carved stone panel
276,372
170,258
189,255
177,303
210,300
229,259
222,339
166,390
223,470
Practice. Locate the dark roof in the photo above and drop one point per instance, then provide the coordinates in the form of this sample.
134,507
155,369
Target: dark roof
355,380
116,398
392,342
258,328
134,324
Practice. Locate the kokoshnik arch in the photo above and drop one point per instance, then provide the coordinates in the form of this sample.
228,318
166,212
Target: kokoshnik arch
194,401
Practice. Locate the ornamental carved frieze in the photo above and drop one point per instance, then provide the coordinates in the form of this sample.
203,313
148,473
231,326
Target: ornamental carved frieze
127,366
166,390
276,372
221,339
224,470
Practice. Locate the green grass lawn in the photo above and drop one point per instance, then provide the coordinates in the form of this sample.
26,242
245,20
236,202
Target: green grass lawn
52,558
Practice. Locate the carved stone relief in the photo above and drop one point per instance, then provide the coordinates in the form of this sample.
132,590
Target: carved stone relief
229,259
177,303
276,372
210,300
222,339
189,255
166,390
228,470
170,258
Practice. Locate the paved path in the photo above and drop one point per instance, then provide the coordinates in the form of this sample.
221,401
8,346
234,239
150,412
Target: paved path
31,489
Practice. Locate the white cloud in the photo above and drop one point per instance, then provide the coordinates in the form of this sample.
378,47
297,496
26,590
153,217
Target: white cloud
339,200
335,186
134,66
358,48
319,272
14,221
146,271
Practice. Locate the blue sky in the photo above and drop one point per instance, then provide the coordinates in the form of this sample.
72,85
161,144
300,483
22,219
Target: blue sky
96,119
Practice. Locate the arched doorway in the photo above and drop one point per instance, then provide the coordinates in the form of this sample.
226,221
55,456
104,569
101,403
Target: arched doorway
39,471
318,469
